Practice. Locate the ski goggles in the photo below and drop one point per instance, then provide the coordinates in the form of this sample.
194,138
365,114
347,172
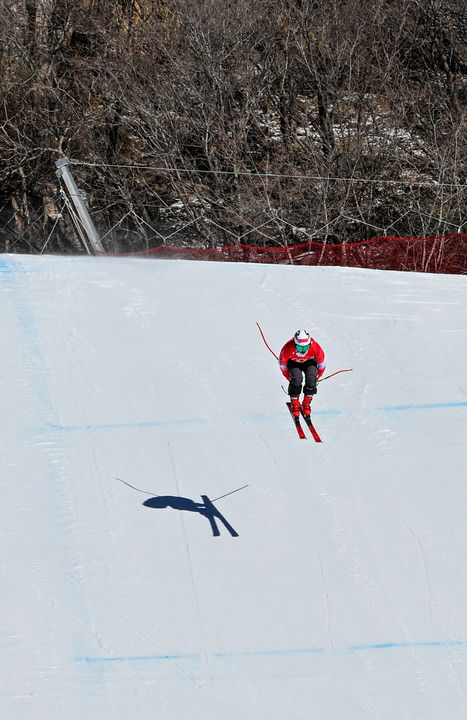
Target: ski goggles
302,348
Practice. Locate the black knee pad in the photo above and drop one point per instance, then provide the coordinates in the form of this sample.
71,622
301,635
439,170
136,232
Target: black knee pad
294,389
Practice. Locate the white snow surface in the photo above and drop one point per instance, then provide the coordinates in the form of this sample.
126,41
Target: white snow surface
344,596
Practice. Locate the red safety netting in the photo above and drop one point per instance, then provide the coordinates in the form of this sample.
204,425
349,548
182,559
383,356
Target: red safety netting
444,254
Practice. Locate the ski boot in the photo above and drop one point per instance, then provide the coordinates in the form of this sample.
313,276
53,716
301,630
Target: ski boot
306,406
295,404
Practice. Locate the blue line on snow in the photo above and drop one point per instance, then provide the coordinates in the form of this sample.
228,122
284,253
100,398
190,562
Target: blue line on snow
428,644
104,426
133,658
55,492
124,426
427,406
327,412
256,417
446,644
5,267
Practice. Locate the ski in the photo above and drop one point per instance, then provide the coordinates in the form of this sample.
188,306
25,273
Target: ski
311,427
300,430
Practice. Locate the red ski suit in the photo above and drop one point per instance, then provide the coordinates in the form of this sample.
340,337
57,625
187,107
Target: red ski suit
288,352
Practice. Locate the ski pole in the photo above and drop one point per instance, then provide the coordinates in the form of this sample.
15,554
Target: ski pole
334,373
264,339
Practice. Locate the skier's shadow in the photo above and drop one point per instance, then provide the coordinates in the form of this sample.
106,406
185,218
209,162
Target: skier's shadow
206,508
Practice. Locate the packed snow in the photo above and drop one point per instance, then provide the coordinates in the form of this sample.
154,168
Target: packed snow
171,549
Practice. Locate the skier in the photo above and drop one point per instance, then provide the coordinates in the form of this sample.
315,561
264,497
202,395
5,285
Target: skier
302,356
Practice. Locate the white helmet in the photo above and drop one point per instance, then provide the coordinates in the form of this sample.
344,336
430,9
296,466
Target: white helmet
302,340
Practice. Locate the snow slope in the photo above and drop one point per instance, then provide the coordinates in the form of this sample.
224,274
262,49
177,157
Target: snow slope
344,595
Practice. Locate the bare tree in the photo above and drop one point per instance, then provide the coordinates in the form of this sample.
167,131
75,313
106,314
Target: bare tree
270,121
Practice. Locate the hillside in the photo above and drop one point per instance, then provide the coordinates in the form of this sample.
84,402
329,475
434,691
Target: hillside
336,587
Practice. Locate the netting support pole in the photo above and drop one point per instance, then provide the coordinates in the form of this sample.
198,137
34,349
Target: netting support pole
63,172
